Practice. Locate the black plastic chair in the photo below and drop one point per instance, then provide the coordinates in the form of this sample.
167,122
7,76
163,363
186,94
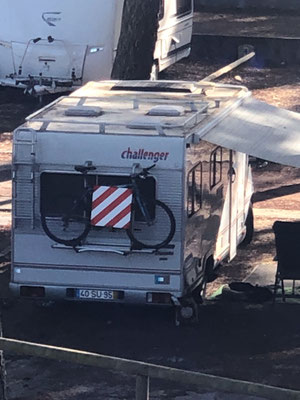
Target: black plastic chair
287,241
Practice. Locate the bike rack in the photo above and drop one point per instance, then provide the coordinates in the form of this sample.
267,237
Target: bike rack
120,250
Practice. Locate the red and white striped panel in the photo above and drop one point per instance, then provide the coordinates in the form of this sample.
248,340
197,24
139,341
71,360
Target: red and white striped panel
111,206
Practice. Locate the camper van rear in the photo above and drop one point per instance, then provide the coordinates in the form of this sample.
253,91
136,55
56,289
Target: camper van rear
120,198
54,46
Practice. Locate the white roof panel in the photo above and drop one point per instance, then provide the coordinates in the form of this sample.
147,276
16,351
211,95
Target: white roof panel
260,130
146,108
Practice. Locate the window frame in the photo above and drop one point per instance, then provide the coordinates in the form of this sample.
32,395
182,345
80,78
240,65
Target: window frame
66,186
161,12
215,177
196,204
189,4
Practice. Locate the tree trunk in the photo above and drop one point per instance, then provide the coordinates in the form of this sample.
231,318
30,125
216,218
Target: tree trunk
134,57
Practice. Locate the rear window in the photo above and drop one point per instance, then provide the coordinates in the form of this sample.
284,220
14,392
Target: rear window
59,190
161,9
184,7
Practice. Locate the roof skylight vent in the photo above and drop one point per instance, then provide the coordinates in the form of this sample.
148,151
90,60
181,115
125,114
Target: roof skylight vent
167,111
83,111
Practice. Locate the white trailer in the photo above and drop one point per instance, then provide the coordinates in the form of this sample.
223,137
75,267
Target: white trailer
54,46
83,151
174,34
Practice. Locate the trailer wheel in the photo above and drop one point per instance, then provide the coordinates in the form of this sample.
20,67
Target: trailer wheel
249,228
210,274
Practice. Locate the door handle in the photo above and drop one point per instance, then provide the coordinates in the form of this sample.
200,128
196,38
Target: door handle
175,40
232,174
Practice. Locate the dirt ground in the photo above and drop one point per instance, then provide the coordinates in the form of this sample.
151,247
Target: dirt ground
249,24
251,342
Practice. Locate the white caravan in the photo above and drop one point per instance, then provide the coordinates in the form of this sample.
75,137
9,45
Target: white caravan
54,46
116,196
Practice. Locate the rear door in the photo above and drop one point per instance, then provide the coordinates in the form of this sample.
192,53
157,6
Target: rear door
51,60
237,178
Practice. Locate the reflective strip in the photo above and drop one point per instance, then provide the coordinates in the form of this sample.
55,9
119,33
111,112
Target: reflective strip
111,207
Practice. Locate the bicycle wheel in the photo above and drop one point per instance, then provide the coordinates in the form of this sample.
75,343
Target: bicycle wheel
69,227
159,234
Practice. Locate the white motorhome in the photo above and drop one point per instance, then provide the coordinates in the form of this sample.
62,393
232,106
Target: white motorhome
78,228
50,47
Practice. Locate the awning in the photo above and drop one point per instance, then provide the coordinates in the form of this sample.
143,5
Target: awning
260,130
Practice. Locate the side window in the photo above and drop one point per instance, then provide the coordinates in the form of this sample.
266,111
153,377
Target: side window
194,181
184,7
161,9
215,167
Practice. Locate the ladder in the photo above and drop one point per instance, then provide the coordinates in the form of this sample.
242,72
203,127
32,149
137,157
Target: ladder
24,154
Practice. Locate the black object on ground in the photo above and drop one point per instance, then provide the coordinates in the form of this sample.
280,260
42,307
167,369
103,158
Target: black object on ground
287,236
243,291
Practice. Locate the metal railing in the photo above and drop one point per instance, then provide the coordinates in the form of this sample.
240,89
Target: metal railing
198,109
144,371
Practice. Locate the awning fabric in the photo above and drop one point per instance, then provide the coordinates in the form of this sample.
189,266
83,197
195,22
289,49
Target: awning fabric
260,130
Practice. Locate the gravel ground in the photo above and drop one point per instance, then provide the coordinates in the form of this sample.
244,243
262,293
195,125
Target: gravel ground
248,24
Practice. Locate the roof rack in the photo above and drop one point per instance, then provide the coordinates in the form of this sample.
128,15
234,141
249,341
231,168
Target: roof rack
196,107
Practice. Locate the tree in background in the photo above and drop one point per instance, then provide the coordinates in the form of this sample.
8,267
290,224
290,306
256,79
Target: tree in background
134,57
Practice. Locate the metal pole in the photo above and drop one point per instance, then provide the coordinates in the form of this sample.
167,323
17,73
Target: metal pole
142,387
228,67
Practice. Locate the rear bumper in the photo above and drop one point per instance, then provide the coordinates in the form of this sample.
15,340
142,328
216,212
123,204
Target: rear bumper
68,293
35,87
172,58
61,283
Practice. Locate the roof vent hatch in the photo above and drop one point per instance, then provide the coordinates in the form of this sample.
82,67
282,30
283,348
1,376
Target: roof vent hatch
166,111
84,111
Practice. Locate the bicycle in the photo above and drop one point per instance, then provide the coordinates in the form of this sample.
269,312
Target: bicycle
72,226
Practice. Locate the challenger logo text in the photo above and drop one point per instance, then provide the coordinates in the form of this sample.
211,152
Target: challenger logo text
142,154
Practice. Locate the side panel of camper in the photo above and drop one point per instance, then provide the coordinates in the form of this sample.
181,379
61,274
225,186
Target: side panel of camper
218,193
207,186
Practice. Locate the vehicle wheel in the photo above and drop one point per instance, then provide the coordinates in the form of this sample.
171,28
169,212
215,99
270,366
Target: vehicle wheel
144,236
68,228
210,274
154,72
249,228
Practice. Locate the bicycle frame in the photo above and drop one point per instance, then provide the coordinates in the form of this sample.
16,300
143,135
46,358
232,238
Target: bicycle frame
139,199
134,185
